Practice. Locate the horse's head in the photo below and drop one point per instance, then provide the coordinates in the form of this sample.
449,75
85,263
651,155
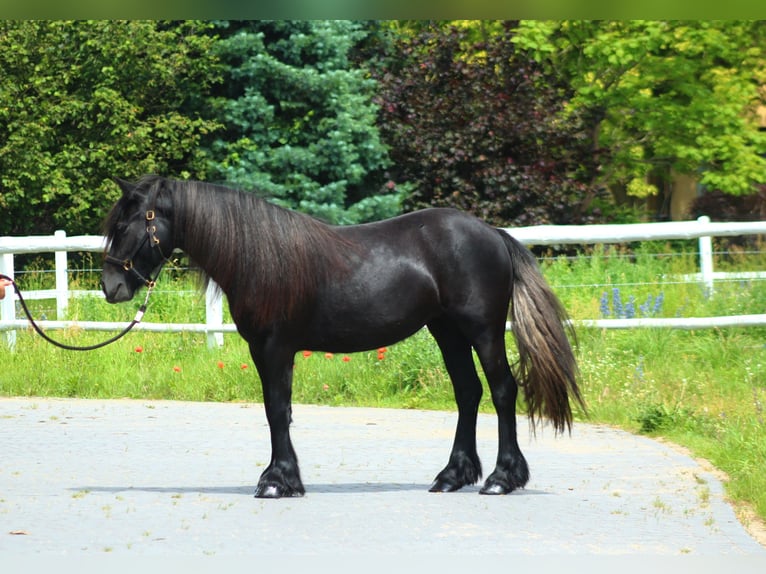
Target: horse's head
139,239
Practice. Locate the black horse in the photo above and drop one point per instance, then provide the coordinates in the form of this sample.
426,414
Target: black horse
295,283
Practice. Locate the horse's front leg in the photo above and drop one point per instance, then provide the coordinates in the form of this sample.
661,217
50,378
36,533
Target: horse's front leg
282,477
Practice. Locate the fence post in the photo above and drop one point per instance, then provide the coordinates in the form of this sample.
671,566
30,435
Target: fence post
62,283
8,305
706,258
214,314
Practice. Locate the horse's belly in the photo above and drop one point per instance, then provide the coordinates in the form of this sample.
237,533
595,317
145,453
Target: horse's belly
351,326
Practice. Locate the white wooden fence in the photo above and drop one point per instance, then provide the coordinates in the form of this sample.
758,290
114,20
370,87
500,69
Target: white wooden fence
701,229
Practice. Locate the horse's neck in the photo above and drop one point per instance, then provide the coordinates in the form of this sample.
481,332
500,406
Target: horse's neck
197,241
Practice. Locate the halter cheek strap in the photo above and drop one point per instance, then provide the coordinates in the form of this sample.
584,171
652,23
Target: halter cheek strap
151,236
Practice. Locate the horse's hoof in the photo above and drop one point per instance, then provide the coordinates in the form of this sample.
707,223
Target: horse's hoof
268,491
461,471
495,489
444,486
275,491
498,486
506,480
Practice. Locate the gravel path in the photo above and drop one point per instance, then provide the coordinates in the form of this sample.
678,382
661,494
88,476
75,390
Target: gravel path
175,478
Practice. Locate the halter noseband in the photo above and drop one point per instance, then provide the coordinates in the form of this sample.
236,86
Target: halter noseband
151,235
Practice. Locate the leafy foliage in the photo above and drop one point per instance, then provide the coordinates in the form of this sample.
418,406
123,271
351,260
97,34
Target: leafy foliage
663,95
474,125
300,123
520,123
85,101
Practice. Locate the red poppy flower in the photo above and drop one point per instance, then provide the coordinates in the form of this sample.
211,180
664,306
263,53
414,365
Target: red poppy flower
307,354
220,364
346,358
139,349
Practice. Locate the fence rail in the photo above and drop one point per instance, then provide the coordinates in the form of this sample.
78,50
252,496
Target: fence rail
702,229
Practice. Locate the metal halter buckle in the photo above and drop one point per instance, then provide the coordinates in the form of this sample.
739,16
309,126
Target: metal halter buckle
152,230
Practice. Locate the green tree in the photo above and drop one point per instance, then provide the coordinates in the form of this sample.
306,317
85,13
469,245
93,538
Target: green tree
662,96
299,119
84,101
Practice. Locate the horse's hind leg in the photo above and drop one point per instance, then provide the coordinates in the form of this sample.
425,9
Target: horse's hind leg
511,471
464,466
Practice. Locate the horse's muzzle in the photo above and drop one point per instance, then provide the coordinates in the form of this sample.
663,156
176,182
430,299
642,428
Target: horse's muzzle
117,293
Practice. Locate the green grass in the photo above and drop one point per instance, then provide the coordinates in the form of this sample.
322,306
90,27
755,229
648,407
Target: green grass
702,389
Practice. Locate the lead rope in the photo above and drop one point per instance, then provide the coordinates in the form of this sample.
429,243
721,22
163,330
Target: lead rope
136,320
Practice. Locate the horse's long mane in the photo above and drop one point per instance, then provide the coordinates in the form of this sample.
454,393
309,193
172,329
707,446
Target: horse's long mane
267,259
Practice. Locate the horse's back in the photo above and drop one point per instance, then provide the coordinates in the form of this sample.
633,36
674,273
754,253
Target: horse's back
436,229
463,259
452,240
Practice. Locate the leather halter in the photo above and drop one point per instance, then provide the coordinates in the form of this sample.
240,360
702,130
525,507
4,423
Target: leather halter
151,236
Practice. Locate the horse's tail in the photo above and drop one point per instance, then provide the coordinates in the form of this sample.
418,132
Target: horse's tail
546,370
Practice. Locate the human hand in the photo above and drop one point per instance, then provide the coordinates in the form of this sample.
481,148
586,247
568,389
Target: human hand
3,284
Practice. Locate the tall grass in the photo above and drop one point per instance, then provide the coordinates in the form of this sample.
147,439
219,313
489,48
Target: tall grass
703,389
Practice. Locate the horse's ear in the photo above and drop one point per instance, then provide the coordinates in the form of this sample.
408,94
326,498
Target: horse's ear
126,187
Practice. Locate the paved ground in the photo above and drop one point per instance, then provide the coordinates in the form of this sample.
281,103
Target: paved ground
168,478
